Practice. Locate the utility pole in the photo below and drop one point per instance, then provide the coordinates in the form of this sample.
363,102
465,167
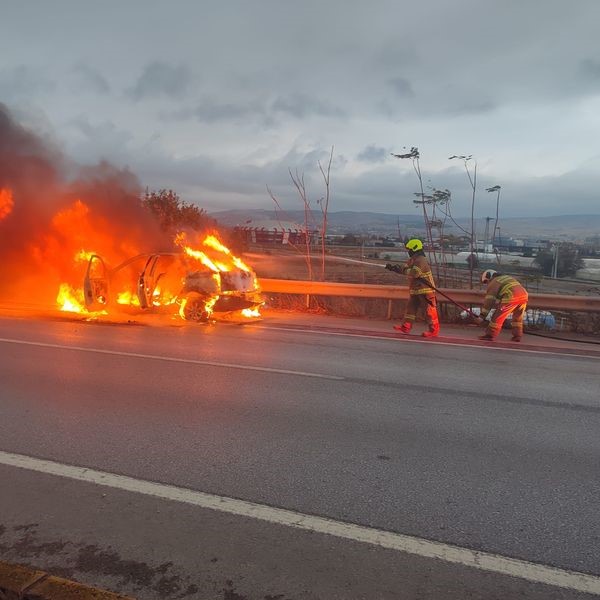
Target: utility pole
496,189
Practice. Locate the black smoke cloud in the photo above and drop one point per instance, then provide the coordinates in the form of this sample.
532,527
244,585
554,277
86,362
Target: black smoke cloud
59,208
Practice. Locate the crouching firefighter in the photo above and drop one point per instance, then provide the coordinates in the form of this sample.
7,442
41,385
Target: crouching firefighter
421,289
506,295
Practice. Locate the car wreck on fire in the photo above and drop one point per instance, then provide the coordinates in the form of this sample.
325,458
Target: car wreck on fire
175,283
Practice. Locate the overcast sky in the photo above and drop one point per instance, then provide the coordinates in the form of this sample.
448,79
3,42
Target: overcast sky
219,99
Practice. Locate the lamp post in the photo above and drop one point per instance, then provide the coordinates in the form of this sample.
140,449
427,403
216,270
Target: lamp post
496,189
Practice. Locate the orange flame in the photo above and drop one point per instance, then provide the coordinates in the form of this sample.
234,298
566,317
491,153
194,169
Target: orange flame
70,299
129,298
83,256
212,242
199,255
6,202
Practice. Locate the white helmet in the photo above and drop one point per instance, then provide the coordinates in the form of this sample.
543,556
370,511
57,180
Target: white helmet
487,275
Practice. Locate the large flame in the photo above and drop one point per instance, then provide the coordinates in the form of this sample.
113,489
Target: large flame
206,255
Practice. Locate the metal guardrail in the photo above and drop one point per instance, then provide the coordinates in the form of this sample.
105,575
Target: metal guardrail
400,292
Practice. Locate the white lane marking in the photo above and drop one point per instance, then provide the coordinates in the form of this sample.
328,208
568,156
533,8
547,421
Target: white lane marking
484,561
190,361
437,342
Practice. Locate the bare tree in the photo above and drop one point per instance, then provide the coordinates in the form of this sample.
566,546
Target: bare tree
473,182
298,181
414,157
437,200
324,206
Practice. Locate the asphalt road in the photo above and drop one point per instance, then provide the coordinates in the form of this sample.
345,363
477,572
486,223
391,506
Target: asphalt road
480,449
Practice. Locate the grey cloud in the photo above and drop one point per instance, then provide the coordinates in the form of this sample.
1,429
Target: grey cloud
502,78
401,86
24,81
301,106
89,79
211,111
470,106
161,79
373,154
386,187
448,100
298,106
591,68
218,184
99,141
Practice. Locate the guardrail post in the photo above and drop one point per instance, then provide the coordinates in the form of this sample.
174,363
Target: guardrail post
389,310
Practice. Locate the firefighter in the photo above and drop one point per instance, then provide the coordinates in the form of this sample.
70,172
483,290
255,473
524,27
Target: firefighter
421,289
505,295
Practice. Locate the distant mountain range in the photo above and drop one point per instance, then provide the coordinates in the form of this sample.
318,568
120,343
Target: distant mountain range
560,226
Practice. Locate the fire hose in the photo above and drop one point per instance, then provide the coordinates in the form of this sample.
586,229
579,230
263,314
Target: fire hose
470,312
478,317
435,289
438,291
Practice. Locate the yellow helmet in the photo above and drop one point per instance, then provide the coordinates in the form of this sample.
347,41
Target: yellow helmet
414,245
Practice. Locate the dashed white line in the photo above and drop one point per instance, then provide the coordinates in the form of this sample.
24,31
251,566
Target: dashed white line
190,361
484,561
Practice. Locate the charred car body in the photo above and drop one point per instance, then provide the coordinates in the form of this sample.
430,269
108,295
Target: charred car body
171,282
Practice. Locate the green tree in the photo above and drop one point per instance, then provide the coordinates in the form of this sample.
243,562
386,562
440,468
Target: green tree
174,213
569,261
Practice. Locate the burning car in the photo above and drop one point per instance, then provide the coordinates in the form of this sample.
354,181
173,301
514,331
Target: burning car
196,284
167,281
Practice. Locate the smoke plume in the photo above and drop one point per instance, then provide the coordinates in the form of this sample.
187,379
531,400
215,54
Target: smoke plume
51,210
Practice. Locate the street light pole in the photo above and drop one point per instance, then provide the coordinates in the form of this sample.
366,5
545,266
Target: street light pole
496,189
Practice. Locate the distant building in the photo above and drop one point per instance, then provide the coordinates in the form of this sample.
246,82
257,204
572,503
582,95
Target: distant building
276,233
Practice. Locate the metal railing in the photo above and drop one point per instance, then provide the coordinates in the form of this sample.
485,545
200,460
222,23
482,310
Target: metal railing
400,292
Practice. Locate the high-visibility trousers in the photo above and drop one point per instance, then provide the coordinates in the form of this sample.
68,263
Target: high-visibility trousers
516,306
428,304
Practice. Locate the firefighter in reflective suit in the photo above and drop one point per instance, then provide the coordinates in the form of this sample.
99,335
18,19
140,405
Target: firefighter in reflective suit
421,289
505,295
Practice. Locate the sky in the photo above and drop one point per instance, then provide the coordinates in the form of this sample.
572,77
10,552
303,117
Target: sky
220,101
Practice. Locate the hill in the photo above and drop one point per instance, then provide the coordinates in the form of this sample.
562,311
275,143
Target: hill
576,227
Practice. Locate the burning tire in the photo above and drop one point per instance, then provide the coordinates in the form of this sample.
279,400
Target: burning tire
194,309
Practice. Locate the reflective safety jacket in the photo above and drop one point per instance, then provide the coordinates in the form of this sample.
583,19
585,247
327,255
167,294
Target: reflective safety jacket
420,277
503,289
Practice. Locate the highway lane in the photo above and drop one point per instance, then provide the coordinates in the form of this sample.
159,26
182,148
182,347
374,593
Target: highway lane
489,450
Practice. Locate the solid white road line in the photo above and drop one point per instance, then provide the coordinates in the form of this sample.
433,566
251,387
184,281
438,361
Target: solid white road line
437,342
483,561
190,361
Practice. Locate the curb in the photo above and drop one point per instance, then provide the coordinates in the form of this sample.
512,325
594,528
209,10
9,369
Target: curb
22,583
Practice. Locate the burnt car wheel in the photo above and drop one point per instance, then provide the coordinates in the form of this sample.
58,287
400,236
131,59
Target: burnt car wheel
195,310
